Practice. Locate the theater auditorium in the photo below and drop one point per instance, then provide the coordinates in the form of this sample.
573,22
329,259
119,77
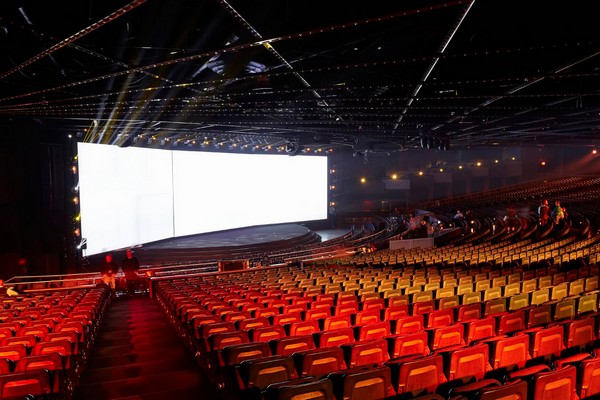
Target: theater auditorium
294,200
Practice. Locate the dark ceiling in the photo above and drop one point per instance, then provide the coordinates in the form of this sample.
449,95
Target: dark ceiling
374,75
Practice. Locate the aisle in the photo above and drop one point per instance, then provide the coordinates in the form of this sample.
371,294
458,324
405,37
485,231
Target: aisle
137,355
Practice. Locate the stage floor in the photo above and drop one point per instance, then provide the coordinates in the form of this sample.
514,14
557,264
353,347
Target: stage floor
242,237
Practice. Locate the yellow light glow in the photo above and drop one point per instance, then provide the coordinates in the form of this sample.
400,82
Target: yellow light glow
363,180
394,176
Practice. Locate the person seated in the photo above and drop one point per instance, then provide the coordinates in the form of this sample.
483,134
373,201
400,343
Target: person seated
7,290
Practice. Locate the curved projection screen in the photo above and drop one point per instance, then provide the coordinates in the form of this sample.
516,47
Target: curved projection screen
132,195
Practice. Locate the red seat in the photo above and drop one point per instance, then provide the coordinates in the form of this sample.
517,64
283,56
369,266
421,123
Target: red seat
547,384
302,328
589,378
362,383
251,323
318,390
289,345
480,329
406,325
365,353
284,319
538,316
333,338
439,318
408,344
392,313
422,307
233,355
337,322
266,333
446,336
21,384
546,342
417,375
364,317
508,352
464,362
319,362
372,330
510,322
490,389
349,309
261,372
580,333
468,312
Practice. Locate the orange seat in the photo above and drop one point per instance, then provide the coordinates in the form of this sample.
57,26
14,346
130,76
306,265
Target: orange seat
289,345
319,362
365,353
480,329
408,344
372,330
417,375
464,362
362,383
333,338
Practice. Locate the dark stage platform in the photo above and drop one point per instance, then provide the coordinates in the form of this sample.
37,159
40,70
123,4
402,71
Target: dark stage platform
241,237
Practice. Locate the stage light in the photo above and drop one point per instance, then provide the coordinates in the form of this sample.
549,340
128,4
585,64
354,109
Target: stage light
543,163
460,167
478,164
594,151
441,169
75,200
420,173
363,180
496,161
77,232
394,176
513,158
74,169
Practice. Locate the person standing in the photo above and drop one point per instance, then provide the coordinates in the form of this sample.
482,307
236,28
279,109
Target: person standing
130,267
109,269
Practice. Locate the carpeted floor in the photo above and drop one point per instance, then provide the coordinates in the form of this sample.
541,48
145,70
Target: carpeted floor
138,355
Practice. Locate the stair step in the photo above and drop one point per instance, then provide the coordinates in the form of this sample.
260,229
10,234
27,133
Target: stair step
124,358
138,369
135,386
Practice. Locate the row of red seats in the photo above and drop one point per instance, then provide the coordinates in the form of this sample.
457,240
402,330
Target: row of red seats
43,350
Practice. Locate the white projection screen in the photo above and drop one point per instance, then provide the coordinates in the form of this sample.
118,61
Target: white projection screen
130,196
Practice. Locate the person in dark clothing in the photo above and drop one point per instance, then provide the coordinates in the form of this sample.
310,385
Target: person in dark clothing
131,266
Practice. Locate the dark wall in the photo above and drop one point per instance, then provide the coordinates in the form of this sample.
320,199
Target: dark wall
33,200
446,173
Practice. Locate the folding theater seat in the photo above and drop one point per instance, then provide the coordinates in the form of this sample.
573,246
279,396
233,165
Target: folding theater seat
510,322
289,345
580,333
236,354
371,352
395,312
337,322
251,323
491,389
333,338
446,336
417,375
362,384
408,344
365,317
546,342
312,389
587,303
466,362
468,312
319,362
439,318
422,307
479,329
25,384
302,328
588,378
540,315
236,316
406,325
283,319
544,383
372,330
52,362
218,341
508,352
266,333
564,309
256,374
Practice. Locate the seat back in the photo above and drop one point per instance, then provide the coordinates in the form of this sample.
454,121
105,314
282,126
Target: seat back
363,383
319,362
418,376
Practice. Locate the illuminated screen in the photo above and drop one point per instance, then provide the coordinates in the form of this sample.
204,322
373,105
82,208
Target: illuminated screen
132,195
